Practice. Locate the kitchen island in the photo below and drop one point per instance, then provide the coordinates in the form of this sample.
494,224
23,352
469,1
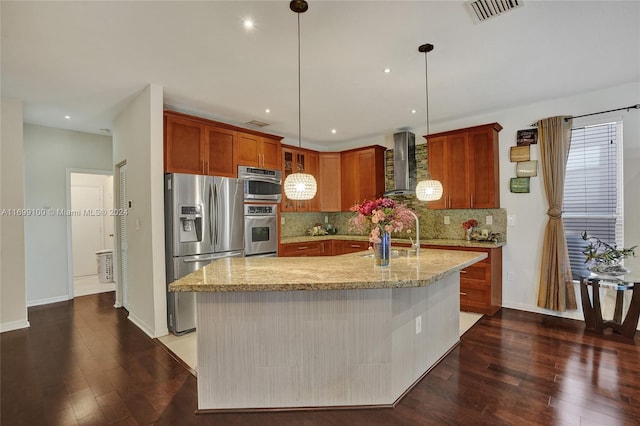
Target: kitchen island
289,333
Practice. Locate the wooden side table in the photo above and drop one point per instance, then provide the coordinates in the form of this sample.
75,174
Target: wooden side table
592,309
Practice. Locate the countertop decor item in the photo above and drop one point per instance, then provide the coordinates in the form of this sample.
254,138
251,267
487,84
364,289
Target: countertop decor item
468,228
603,258
317,230
300,185
381,217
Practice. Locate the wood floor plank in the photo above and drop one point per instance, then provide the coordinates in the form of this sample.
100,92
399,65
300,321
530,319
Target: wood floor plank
84,362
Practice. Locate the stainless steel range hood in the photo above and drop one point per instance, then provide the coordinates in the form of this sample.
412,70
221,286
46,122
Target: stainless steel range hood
404,164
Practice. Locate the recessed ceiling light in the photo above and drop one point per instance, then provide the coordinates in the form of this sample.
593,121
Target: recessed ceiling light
267,110
248,23
413,111
334,131
387,70
68,117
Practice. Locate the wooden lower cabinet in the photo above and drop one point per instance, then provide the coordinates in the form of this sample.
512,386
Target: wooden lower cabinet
311,248
322,248
480,283
347,246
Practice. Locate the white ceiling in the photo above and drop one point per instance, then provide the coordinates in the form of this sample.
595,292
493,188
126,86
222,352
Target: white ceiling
88,59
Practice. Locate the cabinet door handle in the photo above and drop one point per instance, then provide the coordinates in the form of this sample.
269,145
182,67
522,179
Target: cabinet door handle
355,246
463,271
203,171
303,248
208,167
463,294
471,195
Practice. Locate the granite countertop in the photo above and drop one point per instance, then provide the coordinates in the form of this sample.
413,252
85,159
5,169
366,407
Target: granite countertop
348,271
432,242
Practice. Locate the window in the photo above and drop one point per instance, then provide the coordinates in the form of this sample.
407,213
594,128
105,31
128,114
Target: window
593,189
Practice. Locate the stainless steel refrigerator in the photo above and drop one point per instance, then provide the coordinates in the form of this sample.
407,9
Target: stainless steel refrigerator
204,221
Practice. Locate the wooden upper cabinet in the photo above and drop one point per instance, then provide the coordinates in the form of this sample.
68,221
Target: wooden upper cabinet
329,181
485,185
258,151
184,146
313,168
271,153
466,162
362,174
196,145
299,160
221,151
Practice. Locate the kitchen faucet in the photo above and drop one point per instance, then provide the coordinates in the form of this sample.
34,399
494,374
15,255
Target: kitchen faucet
416,245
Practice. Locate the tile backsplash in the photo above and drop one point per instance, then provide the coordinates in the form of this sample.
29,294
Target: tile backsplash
431,221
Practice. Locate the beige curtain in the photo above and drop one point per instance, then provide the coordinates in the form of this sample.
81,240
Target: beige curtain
556,290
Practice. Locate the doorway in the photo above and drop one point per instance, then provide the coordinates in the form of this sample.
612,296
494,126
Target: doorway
91,227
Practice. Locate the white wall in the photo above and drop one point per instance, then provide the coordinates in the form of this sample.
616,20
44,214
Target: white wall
138,140
521,255
13,308
48,153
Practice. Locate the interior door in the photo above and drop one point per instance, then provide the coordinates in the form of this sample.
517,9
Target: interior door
87,229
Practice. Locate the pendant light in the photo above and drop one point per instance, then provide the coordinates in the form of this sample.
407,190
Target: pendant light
430,189
299,185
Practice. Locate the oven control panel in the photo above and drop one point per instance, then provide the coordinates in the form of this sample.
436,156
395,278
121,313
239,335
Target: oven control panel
260,209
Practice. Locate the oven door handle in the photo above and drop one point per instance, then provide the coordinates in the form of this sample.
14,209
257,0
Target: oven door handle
263,179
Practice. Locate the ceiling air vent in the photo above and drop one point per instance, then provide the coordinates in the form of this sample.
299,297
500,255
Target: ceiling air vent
481,10
257,123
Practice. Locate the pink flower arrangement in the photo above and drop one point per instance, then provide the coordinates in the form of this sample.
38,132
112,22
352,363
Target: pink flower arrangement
471,223
381,215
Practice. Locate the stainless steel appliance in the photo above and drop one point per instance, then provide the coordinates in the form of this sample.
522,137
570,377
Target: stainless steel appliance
261,230
203,222
261,184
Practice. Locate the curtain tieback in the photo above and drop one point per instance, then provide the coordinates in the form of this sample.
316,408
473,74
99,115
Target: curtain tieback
555,212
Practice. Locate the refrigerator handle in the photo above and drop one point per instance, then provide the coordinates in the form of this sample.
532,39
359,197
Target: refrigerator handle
210,215
215,214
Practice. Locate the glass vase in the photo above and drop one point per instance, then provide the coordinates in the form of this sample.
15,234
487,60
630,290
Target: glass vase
382,250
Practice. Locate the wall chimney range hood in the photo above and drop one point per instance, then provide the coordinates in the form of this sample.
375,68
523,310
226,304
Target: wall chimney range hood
404,164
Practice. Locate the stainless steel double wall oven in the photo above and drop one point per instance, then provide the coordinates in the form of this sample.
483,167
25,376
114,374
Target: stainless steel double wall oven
262,190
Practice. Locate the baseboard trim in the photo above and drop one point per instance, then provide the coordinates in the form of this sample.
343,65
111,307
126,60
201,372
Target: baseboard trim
14,325
56,299
146,329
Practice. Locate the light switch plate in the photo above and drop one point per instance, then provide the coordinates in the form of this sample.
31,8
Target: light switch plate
447,220
511,220
489,220
282,220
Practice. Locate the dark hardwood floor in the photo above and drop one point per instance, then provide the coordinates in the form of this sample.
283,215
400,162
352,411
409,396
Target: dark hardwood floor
83,362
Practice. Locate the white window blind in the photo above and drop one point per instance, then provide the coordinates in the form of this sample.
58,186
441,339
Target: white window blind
592,192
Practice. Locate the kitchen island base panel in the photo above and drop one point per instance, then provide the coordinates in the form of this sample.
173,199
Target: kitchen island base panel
314,349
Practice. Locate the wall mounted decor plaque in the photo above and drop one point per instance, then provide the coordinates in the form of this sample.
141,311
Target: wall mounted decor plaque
527,137
527,168
519,153
519,185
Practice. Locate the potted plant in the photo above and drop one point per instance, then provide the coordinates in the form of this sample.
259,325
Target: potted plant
605,258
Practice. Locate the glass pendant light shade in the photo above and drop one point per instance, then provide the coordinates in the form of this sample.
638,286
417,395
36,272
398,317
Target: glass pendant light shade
300,186
429,190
